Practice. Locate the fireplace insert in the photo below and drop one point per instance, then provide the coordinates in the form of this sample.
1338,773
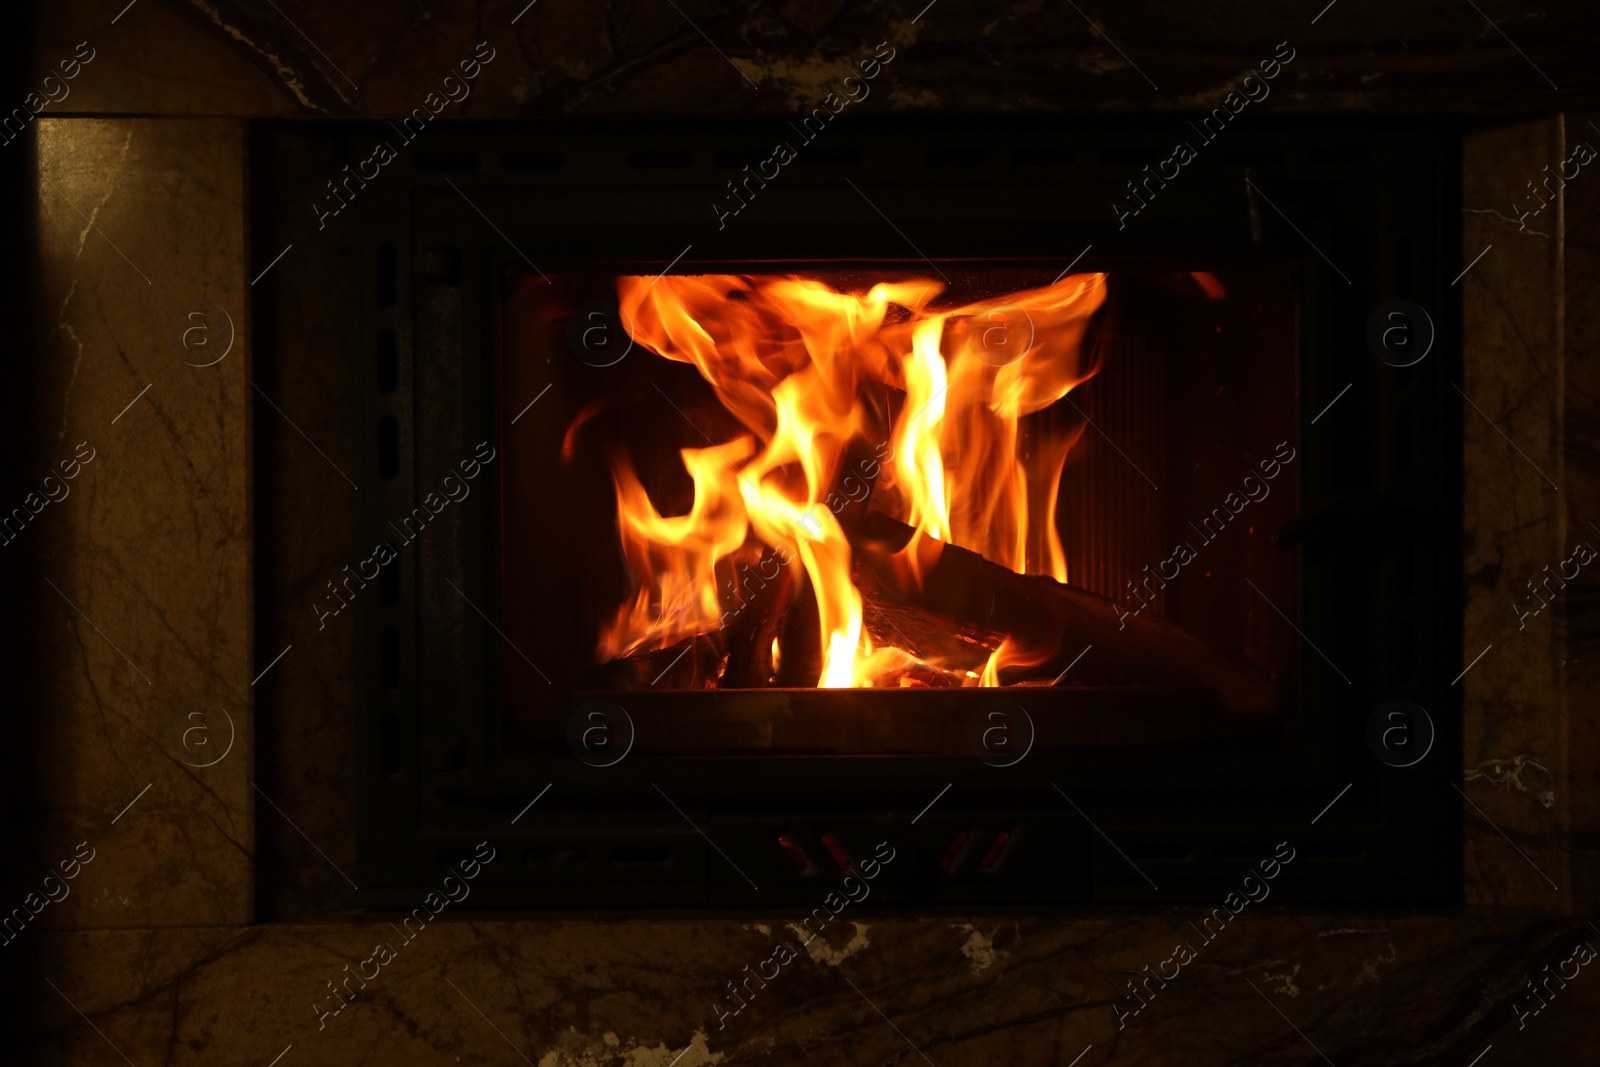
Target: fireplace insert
1072,516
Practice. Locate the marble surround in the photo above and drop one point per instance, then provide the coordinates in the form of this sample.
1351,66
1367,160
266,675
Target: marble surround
175,946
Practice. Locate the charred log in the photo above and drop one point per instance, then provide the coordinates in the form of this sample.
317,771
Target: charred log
1050,623
696,663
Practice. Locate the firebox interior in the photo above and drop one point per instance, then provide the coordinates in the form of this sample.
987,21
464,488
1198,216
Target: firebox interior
1232,334
1174,435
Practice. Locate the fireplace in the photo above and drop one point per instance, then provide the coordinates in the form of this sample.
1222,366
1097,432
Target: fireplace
1177,558
272,371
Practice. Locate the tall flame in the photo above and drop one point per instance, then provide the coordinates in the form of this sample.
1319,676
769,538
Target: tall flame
794,360
919,464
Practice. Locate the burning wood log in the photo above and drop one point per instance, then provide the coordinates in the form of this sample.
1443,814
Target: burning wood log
1050,623
695,663
780,610
768,591
800,664
926,634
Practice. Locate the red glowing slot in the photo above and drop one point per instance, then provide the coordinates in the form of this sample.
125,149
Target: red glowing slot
997,851
797,857
836,850
953,853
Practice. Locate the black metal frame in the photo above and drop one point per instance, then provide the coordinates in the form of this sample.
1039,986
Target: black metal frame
1369,212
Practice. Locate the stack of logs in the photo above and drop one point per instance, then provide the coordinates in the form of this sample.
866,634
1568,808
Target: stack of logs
957,615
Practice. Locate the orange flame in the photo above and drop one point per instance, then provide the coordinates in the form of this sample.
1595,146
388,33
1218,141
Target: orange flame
793,359
675,558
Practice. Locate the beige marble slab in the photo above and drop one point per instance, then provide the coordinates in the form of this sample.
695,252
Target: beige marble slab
149,552
1516,520
1274,989
562,57
1581,426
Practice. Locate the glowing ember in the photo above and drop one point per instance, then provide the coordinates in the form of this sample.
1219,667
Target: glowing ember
806,369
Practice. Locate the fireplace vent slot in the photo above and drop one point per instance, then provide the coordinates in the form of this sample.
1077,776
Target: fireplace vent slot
1245,156
1042,157
1340,154
660,159
1004,843
388,362
1404,439
831,159
1128,157
736,158
956,157
388,446
1405,573
448,161
1404,267
797,856
383,266
1405,665
554,857
533,161
959,846
389,578
389,655
838,852
391,744
639,855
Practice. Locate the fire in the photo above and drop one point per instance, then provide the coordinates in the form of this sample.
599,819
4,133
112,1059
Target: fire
676,557
806,369
919,464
